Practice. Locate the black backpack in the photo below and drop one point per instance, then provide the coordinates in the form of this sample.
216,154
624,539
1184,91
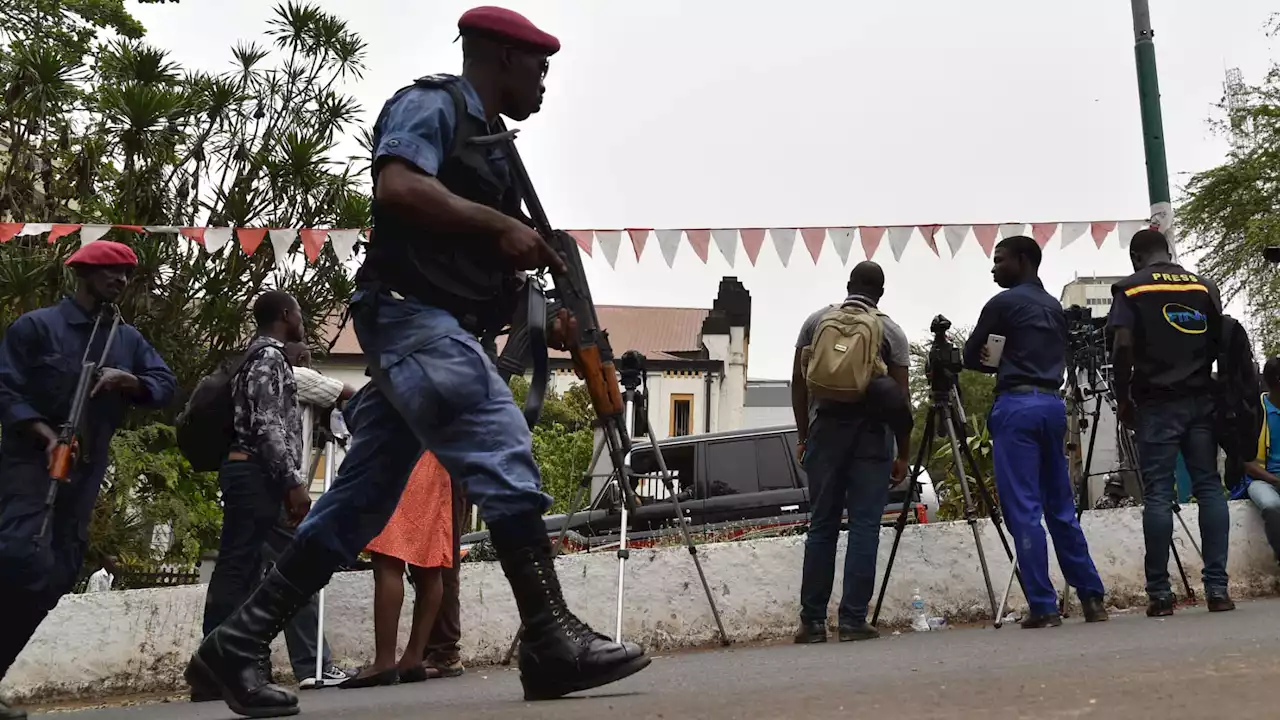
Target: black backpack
1238,416
205,428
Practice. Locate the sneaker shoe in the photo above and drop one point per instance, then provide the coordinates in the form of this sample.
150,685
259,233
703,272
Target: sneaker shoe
332,675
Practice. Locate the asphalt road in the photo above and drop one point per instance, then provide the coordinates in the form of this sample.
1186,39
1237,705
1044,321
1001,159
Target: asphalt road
1194,665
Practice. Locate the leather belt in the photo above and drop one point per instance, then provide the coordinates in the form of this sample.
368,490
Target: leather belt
238,456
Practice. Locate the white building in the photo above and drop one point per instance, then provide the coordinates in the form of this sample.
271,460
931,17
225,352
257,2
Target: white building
1090,291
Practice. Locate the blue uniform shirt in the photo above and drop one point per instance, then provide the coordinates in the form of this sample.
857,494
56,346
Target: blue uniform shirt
40,357
417,126
1035,331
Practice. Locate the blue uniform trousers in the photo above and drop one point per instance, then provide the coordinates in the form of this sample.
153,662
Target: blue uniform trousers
455,405
1028,431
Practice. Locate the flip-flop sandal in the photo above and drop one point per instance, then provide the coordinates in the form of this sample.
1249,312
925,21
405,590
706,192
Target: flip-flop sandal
380,679
418,673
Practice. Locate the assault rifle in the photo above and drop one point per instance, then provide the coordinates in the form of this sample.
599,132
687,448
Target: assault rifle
589,347
68,444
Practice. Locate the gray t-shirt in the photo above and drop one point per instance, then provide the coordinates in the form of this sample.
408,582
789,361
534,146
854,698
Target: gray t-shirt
895,349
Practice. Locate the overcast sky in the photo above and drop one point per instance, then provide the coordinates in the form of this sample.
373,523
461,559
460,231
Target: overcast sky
723,114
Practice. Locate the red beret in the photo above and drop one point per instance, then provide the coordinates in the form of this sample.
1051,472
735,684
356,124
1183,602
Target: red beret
104,252
507,25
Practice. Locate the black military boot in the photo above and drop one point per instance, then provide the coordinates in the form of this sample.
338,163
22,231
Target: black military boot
235,659
559,654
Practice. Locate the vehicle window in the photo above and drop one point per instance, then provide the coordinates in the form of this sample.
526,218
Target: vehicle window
731,468
773,464
679,461
801,477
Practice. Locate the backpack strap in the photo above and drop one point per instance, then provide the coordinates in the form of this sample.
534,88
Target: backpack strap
1264,435
449,84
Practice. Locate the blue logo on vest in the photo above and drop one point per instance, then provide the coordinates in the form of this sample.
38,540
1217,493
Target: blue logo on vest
1186,319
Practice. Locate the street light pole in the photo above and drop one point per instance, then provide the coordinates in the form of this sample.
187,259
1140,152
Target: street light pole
1152,122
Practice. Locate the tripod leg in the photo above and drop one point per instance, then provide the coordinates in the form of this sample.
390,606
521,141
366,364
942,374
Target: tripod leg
1082,492
684,530
1004,601
969,510
926,446
993,509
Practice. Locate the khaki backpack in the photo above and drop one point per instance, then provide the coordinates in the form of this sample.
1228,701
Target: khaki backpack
844,355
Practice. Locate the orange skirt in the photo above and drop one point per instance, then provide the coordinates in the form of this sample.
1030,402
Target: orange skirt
420,532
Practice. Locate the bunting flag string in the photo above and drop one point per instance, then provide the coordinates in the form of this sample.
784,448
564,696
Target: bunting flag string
726,240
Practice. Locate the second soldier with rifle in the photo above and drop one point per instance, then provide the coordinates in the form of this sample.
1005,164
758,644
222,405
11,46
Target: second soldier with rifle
444,268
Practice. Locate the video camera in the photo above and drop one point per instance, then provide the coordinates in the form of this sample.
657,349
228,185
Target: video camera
1086,340
944,363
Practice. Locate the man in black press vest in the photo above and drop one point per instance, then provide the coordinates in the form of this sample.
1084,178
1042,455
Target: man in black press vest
444,266
1167,322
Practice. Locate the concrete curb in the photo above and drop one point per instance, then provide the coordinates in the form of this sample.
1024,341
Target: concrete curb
138,641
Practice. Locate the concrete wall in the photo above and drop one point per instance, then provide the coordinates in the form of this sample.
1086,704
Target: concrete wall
98,644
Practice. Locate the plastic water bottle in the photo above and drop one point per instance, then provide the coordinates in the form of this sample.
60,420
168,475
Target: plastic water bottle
919,622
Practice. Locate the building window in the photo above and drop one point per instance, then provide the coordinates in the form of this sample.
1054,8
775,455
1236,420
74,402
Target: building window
681,415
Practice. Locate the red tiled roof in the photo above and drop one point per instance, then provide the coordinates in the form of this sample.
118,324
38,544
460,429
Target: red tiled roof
655,331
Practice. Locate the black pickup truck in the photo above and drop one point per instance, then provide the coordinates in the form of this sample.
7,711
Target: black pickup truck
730,484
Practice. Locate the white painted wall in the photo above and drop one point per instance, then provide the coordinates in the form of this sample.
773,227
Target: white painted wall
760,417
103,643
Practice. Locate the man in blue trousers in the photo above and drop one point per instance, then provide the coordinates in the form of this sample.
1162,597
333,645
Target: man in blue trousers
1028,426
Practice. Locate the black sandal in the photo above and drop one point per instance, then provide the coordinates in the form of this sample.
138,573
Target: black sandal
378,679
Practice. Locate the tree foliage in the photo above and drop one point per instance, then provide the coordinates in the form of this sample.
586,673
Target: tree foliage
98,128
562,440
1232,211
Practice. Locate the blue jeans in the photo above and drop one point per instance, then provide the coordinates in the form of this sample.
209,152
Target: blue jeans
1267,499
1164,428
848,461
1028,435
455,405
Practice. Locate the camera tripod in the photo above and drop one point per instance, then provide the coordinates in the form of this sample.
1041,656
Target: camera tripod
1128,451
635,393
946,419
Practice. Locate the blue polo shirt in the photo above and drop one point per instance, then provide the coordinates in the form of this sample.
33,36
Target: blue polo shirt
1273,448
1035,331
417,126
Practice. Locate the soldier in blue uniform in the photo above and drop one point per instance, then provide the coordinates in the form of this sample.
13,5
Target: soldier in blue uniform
40,359
444,269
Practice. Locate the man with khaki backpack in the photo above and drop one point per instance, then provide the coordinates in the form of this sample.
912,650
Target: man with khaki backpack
849,394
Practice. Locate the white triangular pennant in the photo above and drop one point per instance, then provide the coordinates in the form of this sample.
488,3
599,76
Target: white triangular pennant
842,239
784,241
215,238
1009,230
955,235
727,243
899,236
281,239
33,229
610,241
92,233
1073,231
669,243
1128,229
343,242
171,229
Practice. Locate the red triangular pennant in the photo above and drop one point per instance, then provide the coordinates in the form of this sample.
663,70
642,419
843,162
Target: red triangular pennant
1042,232
8,230
930,233
752,241
250,238
60,231
986,236
193,234
639,236
1101,230
814,239
313,242
583,238
130,228
871,236
701,242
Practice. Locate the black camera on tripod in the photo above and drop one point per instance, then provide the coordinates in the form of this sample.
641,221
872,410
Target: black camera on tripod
944,363
1086,342
631,368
